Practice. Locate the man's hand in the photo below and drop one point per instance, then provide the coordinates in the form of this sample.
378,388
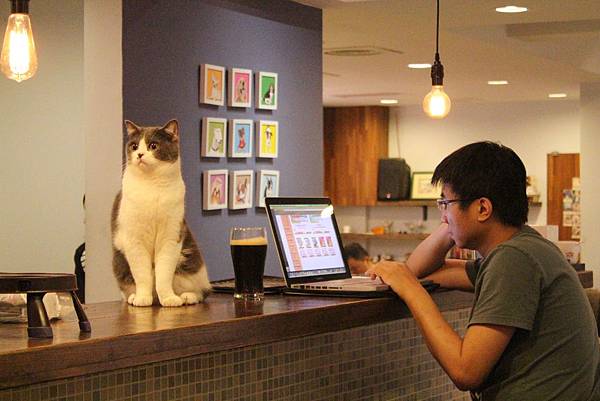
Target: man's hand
396,275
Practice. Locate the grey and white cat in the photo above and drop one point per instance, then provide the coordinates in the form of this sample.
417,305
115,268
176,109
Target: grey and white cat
155,256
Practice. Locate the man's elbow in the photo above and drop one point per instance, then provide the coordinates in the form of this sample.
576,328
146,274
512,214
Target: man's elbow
467,381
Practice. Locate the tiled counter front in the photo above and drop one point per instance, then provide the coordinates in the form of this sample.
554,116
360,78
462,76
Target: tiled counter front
381,361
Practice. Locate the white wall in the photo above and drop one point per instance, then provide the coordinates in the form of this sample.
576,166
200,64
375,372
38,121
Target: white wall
532,129
590,184
42,149
103,127
61,137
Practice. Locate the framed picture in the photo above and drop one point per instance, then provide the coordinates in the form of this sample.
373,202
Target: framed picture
212,84
421,187
241,185
240,88
214,131
241,136
266,90
268,138
214,189
267,184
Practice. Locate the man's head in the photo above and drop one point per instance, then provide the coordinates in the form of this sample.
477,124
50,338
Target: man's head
487,170
357,258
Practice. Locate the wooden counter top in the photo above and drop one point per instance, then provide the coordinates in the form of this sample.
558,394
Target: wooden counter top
124,336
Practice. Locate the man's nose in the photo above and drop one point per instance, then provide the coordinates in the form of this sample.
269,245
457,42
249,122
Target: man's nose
444,218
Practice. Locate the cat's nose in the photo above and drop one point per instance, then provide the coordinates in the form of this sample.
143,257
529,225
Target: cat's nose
140,155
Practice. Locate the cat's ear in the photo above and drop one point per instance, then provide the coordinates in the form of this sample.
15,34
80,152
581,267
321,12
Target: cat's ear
131,128
172,127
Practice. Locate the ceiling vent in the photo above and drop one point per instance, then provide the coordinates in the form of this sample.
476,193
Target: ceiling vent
358,51
376,95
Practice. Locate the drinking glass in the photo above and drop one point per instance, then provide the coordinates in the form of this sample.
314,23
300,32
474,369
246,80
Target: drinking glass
248,252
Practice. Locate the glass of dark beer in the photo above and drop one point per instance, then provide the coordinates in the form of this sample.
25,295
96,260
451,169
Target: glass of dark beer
248,252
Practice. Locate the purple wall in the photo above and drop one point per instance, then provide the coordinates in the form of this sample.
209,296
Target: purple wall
164,42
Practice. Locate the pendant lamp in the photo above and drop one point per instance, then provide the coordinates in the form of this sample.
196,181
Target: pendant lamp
18,60
436,103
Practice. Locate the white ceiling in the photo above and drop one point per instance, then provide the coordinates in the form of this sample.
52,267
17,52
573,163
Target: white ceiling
553,47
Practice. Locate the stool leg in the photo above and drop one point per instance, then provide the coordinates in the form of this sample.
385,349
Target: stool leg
38,324
84,323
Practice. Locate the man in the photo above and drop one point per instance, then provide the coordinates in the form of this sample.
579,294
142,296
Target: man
357,258
531,334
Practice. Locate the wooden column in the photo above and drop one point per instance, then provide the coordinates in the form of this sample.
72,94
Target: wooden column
354,139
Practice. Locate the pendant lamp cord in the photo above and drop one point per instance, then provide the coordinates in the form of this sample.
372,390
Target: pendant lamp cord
437,32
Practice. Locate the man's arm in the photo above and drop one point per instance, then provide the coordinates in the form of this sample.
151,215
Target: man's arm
452,275
429,255
469,360
428,261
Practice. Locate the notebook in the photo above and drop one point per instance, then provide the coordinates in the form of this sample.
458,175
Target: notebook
310,249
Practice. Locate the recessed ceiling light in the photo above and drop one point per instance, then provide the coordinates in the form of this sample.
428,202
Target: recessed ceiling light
497,82
557,95
388,101
511,9
419,65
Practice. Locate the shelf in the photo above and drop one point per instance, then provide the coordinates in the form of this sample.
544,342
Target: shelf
409,203
391,237
424,203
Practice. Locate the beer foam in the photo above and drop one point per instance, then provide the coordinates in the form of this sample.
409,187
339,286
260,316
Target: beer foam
249,241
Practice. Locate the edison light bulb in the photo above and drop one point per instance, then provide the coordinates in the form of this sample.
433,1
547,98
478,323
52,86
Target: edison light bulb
18,60
436,103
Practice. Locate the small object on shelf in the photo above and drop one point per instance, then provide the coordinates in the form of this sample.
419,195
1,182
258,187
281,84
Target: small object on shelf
379,230
463,253
415,227
533,194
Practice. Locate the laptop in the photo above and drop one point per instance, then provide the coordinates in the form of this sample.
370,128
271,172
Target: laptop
310,250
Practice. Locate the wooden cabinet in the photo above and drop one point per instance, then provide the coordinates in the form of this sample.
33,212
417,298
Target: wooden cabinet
354,140
562,167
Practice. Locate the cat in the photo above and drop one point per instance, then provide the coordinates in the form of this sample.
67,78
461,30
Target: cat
269,136
242,135
215,194
155,256
215,92
217,140
241,94
269,188
269,97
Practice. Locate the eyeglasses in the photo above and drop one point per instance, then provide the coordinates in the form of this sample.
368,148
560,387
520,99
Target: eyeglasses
442,204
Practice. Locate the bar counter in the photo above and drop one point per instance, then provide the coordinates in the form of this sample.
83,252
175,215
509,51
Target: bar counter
124,337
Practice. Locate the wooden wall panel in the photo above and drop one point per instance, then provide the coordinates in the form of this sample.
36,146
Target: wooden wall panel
562,167
354,140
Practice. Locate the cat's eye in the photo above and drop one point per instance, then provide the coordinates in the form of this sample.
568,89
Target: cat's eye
133,146
153,146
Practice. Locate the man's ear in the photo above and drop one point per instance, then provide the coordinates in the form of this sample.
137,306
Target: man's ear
485,209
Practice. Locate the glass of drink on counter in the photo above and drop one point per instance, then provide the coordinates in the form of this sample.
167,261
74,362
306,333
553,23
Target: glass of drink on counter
248,252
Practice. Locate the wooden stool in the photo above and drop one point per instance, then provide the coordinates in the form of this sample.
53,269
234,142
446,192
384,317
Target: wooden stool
36,285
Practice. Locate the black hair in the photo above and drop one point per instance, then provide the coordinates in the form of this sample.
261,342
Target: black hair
355,251
487,170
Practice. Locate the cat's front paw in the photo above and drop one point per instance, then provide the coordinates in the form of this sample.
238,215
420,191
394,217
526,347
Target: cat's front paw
189,298
171,300
139,300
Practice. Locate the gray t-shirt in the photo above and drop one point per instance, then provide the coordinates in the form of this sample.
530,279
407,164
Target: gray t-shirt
554,353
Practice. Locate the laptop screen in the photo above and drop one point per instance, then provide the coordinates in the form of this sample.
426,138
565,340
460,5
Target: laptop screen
307,239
